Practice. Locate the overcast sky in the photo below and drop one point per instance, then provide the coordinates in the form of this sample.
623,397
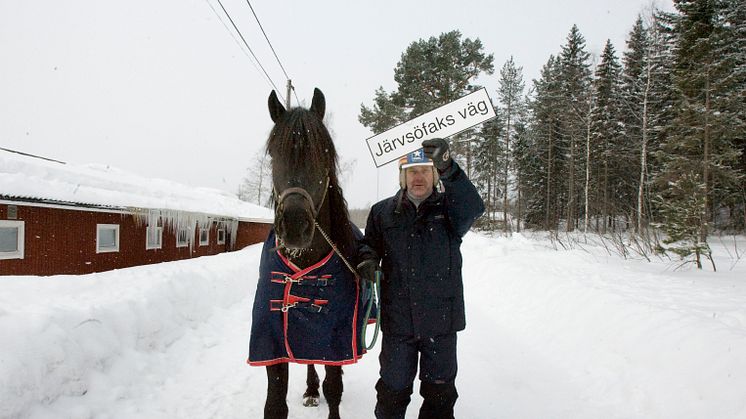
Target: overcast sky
162,89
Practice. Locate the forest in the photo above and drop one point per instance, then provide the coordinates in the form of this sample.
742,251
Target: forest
644,144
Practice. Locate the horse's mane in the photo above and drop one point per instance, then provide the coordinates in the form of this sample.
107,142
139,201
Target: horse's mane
301,139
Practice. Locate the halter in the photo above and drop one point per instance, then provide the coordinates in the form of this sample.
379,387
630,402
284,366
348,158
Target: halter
302,192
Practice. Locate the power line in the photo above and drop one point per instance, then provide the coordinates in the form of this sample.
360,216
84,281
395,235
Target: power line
265,37
227,29
271,47
250,50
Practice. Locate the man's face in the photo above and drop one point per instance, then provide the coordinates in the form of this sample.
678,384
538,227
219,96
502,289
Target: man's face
420,181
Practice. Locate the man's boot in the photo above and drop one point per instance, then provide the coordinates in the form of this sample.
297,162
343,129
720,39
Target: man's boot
392,404
439,400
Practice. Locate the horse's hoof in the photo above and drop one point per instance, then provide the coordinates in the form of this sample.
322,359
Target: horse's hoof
311,401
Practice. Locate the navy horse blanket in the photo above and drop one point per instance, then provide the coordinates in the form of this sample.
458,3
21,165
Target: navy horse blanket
307,316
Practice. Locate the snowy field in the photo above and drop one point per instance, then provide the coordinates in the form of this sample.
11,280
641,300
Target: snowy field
550,334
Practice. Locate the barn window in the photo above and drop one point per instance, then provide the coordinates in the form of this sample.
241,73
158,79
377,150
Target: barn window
221,236
11,239
182,238
107,238
204,237
154,238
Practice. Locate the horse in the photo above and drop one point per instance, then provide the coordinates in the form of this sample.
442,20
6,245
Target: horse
311,286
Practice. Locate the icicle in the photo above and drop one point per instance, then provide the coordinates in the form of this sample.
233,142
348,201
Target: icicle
185,220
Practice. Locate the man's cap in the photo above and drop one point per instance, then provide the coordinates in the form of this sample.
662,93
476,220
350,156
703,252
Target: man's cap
415,158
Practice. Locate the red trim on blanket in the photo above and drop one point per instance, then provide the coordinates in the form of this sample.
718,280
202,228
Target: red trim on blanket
303,361
354,318
285,315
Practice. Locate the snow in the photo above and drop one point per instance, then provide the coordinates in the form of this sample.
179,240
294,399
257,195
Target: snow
23,176
550,333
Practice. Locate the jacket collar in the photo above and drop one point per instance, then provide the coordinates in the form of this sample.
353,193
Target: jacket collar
401,200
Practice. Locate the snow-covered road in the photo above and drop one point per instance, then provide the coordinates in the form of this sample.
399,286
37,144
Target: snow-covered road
560,334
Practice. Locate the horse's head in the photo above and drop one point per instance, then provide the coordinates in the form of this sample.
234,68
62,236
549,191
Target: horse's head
303,162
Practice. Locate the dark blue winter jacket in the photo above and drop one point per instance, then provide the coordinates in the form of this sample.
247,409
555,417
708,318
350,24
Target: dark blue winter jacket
419,248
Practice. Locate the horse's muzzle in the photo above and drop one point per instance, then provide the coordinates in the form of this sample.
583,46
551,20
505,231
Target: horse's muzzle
295,222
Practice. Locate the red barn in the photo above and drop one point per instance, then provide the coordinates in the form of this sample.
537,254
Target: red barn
58,218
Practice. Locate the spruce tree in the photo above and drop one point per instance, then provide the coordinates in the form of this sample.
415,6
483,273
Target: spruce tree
730,102
635,111
544,183
698,155
610,153
575,82
489,157
526,164
510,96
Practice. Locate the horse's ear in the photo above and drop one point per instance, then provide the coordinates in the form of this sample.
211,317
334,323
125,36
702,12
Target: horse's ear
276,110
318,104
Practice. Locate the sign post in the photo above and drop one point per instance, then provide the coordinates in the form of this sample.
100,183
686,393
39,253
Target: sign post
445,121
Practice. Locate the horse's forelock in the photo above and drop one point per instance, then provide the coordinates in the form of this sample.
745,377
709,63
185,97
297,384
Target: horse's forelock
300,139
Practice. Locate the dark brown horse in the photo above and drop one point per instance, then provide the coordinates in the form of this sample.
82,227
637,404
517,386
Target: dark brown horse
307,197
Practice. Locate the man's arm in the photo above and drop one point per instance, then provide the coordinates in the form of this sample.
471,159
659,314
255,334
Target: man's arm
463,203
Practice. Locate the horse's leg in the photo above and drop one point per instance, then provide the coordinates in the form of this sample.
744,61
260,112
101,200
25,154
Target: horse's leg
277,390
311,396
333,389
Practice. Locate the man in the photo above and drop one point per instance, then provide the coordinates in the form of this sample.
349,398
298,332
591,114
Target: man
416,236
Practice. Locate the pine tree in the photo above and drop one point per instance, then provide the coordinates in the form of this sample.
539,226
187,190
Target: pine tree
430,74
384,115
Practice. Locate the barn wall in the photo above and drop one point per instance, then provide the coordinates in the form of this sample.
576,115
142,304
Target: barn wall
60,241
250,233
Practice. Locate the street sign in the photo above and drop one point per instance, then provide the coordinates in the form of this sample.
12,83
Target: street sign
445,121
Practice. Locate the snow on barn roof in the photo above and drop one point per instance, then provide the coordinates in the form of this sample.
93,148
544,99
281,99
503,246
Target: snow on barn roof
28,177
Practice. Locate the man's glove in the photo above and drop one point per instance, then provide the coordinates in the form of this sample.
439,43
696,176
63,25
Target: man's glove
367,269
437,150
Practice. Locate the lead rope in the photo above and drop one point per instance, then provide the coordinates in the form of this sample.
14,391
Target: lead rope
375,292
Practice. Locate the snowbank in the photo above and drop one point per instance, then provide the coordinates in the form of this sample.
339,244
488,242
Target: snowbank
66,336
630,338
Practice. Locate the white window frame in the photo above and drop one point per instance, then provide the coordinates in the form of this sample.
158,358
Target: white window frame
221,232
186,234
99,228
206,232
19,252
159,232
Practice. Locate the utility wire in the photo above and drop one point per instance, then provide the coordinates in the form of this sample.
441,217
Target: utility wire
272,48
250,50
243,50
265,37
